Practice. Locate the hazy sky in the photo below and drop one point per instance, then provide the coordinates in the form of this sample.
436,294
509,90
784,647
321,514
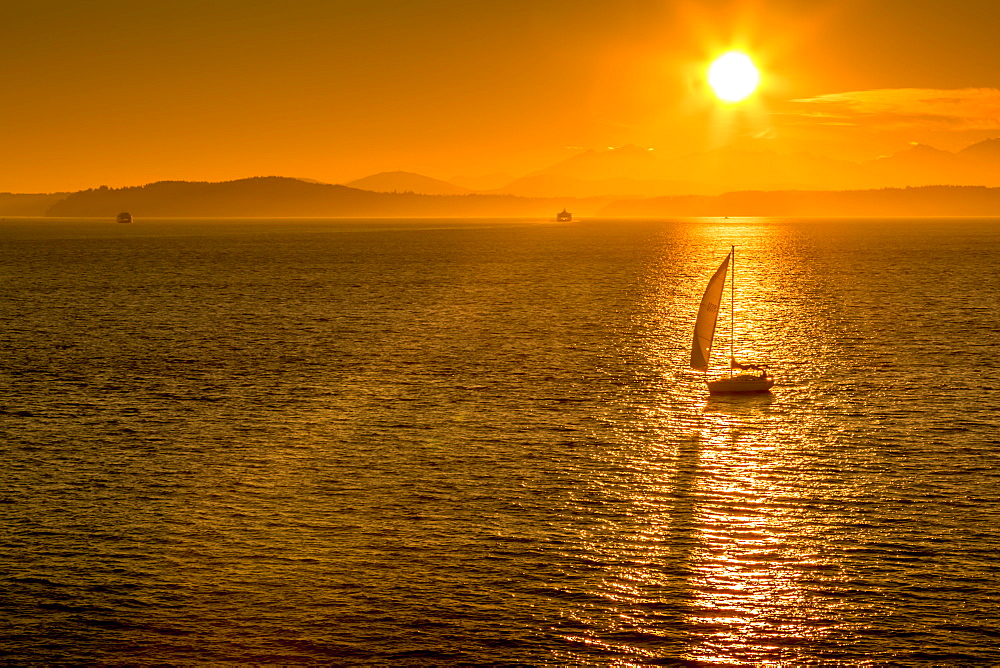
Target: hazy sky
124,93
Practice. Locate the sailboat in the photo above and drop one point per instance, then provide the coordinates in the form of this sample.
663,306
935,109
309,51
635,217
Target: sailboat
704,333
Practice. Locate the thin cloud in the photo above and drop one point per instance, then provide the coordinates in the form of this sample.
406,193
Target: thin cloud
958,109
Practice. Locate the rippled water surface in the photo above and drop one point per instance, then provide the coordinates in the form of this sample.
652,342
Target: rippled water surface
436,442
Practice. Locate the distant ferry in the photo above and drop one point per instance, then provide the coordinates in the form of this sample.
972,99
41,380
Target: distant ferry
124,217
564,216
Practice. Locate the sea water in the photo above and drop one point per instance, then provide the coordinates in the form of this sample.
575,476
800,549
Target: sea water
443,441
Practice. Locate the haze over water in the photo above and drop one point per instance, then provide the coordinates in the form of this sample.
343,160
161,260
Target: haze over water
433,442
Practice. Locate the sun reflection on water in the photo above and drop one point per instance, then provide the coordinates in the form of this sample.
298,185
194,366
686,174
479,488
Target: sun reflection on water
746,597
722,559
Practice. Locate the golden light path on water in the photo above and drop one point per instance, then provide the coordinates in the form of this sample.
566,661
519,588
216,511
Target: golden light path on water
728,489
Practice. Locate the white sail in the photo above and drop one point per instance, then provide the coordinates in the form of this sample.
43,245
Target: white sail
704,327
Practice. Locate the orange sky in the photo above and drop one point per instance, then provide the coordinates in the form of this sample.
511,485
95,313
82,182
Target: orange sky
125,93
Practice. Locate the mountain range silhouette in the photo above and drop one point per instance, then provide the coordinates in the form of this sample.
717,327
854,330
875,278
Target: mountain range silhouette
631,171
627,181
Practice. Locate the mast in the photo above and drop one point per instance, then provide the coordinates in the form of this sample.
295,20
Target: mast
732,306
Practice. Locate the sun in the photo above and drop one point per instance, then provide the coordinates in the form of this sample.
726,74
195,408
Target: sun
733,76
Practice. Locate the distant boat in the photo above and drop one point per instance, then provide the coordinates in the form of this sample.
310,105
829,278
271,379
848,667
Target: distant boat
564,216
124,217
704,333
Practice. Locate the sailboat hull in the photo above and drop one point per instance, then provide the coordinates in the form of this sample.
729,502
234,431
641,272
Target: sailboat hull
740,385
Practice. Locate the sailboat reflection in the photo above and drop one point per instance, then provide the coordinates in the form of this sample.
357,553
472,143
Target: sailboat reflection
751,599
737,404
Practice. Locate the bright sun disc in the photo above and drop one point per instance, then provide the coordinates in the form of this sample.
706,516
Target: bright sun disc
733,76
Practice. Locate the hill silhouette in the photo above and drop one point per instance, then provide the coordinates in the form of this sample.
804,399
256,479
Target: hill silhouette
274,196
28,204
